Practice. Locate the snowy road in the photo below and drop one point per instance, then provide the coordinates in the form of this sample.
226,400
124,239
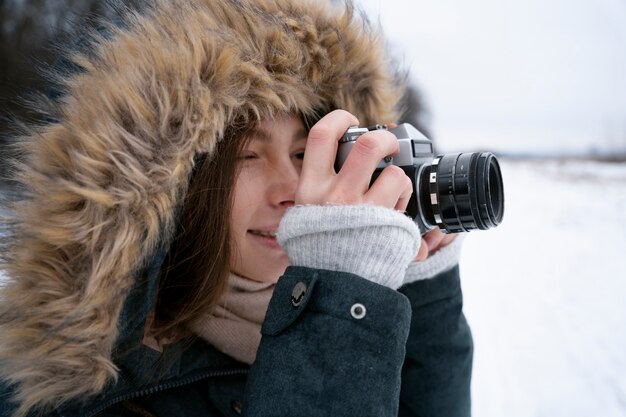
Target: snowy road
545,294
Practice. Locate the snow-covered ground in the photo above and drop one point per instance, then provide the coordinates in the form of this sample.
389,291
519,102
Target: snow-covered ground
545,294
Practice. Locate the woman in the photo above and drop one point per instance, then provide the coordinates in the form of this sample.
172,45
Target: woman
143,273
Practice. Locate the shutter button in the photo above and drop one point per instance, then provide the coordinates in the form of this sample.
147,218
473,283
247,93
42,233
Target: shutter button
298,293
358,311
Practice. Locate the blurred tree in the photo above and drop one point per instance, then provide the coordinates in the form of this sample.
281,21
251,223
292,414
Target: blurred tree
32,32
415,110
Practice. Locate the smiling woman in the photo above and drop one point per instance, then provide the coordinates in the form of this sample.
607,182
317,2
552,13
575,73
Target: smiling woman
177,253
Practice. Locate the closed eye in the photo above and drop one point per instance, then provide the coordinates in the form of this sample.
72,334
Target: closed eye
248,156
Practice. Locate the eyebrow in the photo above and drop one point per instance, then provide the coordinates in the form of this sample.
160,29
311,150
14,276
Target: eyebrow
265,137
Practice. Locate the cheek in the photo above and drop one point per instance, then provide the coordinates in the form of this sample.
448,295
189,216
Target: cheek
248,196
247,187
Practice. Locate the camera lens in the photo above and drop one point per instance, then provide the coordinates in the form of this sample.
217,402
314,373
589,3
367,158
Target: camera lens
461,192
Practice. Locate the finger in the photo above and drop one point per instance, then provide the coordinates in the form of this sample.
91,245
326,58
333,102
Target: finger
448,238
422,254
438,240
321,146
404,200
365,155
392,188
433,238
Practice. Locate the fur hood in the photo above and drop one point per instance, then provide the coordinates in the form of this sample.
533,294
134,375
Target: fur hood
103,179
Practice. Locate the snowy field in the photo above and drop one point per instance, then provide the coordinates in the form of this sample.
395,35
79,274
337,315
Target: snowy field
545,294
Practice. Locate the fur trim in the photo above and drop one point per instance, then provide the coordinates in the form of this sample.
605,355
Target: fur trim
103,181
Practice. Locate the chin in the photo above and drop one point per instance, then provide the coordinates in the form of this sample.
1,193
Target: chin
269,277
272,277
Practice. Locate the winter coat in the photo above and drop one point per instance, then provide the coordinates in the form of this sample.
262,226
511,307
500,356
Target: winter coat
103,182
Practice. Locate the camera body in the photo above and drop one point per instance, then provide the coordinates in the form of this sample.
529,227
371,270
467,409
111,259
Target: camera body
456,192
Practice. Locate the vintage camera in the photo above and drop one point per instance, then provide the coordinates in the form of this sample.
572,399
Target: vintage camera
457,192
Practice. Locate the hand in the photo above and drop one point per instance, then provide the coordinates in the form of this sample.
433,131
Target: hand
432,242
320,184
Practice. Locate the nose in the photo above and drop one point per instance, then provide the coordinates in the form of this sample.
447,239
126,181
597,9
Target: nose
284,182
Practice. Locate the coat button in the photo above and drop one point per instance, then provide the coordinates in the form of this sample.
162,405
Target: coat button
358,311
298,293
236,406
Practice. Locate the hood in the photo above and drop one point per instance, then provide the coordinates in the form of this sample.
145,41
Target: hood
102,181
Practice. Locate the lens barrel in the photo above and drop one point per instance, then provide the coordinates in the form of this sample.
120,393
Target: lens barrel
462,192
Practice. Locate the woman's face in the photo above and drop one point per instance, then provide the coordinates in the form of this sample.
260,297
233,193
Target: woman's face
269,169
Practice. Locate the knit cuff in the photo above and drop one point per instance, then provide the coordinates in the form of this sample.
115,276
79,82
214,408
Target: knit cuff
374,242
442,260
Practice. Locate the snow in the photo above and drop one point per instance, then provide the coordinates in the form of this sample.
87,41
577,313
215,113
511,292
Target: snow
545,294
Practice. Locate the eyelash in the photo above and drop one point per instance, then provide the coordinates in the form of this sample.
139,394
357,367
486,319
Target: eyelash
248,157
253,156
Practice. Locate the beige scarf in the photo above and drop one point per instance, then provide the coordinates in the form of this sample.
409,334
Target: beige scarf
235,326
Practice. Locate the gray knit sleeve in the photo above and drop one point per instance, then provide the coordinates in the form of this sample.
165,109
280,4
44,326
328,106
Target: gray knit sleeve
375,242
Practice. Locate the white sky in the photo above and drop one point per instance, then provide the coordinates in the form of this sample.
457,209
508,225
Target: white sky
515,75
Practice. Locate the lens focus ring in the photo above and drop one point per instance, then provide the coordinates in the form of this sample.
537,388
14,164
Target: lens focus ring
466,191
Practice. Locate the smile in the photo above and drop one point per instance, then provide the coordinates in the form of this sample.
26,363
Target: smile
264,234
267,239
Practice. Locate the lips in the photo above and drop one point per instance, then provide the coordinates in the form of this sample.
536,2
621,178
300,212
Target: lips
270,234
266,236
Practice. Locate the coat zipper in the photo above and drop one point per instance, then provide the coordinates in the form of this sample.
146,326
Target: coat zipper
162,387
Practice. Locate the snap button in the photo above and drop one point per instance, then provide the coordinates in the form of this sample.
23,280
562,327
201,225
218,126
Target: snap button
358,311
236,406
298,293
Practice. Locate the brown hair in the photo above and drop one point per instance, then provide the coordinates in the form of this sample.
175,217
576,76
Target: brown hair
195,271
